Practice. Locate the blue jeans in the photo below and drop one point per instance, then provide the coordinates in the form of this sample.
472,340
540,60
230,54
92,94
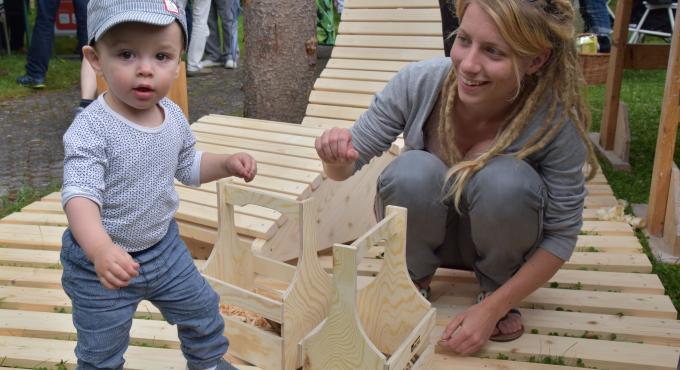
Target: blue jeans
596,16
228,11
42,36
167,278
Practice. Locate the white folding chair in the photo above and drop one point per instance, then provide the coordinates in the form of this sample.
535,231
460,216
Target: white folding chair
638,30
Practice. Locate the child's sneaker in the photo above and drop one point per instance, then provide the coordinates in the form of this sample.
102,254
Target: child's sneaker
32,82
230,64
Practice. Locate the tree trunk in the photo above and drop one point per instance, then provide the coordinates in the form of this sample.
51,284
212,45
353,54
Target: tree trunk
280,58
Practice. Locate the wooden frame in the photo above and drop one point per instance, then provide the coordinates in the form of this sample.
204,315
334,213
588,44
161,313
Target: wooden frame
387,316
235,272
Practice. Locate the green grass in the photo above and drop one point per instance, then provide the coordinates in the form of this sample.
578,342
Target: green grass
23,197
62,73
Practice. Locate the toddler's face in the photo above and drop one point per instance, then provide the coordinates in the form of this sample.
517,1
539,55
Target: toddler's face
139,62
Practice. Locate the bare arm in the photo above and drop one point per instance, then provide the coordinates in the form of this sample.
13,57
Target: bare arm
217,166
114,266
471,329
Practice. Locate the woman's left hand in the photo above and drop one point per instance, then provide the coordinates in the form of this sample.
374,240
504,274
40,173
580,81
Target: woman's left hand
470,329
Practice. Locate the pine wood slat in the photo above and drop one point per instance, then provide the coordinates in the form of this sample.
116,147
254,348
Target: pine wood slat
614,262
586,280
624,282
391,15
593,353
608,228
329,111
255,132
47,219
261,125
30,277
28,258
340,99
50,325
269,158
611,244
53,300
627,304
406,55
205,215
326,122
41,237
449,361
587,325
364,64
345,85
600,201
599,189
390,28
198,196
43,207
391,42
356,75
255,144
390,4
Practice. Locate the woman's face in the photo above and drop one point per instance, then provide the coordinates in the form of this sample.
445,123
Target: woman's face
484,62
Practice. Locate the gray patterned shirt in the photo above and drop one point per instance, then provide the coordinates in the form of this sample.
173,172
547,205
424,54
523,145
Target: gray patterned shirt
128,170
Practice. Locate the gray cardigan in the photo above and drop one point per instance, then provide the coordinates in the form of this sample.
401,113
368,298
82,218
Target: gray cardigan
405,105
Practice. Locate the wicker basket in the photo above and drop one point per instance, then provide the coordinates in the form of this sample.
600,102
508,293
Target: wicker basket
594,67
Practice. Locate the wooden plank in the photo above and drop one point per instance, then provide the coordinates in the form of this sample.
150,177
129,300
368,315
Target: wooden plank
600,354
246,225
326,122
608,281
254,133
340,99
626,304
356,75
50,325
448,361
600,201
644,56
355,86
269,158
387,4
55,300
234,141
390,28
610,244
587,325
665,141
599,189
608,228
615,75
614,262
406,55
41,237
30,277
366,64
391,15
29,258
46,219
262,125
394,42
44,207
328,111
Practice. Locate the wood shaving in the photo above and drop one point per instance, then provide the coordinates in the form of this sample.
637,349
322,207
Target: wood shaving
616,213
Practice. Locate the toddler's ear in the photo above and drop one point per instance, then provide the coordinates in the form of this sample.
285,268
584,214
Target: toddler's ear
90,54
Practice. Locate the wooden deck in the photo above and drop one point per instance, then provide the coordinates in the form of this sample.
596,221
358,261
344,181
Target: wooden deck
604,309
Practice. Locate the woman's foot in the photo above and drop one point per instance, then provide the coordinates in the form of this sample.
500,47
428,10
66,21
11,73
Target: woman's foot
509,327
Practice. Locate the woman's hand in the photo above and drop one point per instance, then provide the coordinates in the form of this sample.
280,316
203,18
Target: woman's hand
470,329
335,149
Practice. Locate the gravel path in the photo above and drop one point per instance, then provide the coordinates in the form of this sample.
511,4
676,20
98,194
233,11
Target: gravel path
31,128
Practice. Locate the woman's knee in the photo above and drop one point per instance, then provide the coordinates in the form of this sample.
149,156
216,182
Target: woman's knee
410,177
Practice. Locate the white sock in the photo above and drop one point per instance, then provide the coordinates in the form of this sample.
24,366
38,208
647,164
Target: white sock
211,368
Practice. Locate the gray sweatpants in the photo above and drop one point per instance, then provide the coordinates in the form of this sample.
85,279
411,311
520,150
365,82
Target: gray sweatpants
499,226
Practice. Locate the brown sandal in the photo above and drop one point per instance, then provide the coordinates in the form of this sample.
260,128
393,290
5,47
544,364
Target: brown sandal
503,337
507,337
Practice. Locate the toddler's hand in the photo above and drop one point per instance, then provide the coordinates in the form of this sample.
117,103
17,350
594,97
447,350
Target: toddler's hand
242,165
115,267
334,147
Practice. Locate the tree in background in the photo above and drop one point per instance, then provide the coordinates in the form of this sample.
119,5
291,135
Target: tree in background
280,58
